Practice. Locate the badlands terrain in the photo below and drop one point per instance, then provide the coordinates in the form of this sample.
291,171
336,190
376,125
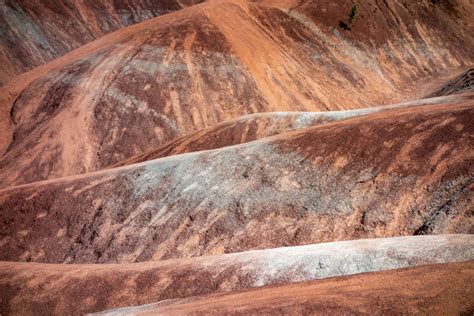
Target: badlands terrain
236,157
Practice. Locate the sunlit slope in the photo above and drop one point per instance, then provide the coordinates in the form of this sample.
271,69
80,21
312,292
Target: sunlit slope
400,172
145,85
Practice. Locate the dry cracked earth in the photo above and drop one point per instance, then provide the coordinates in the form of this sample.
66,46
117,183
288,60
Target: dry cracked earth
236,157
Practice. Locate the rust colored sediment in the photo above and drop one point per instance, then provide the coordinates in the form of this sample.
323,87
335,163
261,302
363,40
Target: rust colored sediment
445,289
399,172
37,31
256,126
236,157
72,289
140,87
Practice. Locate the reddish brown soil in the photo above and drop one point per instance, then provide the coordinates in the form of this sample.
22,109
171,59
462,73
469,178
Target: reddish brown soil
212,62
399,172
185,159
428,290
37,31
256,126
31,288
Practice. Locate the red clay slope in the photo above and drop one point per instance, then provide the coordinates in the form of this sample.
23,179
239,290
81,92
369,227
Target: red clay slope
136,89
445,289
399,172
256,126
37,31
59,289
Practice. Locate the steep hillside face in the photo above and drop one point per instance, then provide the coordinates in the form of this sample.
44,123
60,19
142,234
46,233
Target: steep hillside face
215,61
36,31
399,172
434,289
70,287
460,84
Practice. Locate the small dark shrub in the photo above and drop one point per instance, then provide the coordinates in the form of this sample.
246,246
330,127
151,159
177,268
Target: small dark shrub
352,18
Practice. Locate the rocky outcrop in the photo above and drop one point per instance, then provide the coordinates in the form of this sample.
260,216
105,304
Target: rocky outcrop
460,84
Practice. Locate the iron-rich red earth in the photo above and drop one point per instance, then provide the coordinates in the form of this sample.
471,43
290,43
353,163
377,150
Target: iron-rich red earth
36,32
209,156
136,89
427,290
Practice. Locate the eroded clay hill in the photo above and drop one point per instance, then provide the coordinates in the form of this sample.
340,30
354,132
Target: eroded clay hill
145,85
399,172
78,289
37,31
431,290
256,126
